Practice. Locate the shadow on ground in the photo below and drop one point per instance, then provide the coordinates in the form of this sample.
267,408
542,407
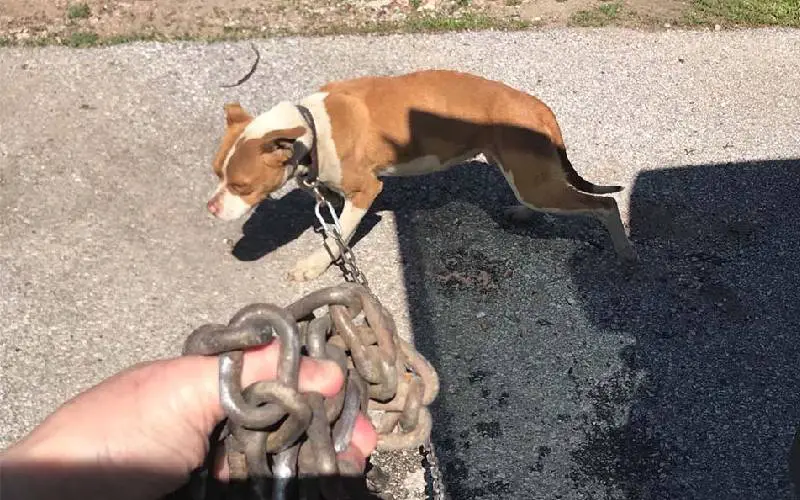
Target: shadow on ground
715,315
567,375
278,222
87,481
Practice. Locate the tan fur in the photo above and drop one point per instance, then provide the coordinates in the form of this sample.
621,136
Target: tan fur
256,167
423,122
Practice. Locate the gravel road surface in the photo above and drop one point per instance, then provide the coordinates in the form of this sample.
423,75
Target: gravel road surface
564,374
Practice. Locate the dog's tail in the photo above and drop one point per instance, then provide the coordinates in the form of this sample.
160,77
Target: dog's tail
579,182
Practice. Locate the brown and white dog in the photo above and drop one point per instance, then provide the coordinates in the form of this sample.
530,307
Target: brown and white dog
411,124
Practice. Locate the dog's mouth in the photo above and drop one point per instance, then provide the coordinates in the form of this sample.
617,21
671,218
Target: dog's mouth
227,206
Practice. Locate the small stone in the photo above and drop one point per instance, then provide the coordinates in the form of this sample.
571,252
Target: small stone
480,315
667,25
570,301
717,27
537,19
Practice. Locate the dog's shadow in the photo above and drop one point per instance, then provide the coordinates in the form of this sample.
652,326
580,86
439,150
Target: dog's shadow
482,185
277,222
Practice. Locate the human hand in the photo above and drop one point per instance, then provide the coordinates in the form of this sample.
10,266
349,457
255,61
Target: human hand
142,431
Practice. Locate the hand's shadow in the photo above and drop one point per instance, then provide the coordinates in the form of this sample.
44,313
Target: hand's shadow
276,222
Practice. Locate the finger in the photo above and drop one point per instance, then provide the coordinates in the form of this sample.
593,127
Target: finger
261,363
316,375
362,445
365,439
353,460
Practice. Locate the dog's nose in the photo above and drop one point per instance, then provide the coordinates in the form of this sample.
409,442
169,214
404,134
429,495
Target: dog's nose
213,207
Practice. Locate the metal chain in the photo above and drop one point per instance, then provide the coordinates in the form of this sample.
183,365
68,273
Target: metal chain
352,273
273,432
333,230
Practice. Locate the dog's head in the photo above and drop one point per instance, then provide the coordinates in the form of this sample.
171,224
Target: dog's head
249,164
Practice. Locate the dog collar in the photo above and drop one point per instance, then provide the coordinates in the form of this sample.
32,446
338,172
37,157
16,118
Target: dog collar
306,155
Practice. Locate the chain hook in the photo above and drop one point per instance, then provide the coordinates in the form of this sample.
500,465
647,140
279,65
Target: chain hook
333,230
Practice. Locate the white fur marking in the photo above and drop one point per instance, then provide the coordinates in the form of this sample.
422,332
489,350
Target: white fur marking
233,206
286,115
282,115
227,160
330,167
350,218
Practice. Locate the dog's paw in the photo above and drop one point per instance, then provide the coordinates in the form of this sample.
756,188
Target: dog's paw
308,269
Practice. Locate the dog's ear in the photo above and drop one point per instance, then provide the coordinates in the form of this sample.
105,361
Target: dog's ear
281,139
234,113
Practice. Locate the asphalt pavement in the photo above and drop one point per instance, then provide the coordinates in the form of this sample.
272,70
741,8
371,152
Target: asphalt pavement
564,374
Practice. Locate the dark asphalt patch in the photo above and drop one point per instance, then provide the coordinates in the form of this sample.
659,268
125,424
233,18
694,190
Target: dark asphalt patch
566,375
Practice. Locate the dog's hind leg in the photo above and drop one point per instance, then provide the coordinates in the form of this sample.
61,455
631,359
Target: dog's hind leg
546,190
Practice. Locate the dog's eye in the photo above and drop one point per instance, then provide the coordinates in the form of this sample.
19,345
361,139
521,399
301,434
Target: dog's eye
239,189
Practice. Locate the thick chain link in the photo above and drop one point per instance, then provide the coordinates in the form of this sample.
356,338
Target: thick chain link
352,273
273,432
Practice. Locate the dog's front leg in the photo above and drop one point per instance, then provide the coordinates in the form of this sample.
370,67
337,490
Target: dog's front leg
355,207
